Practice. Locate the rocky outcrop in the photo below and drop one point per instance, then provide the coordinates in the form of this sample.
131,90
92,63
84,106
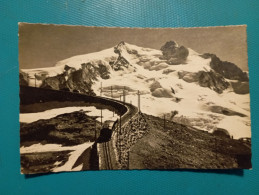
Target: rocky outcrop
227,69
162,93
23,78
221,133
173,53
57,83
155,85
121,61
240,87
103,71
158,91
213,81
77,80
225,111
67,129
132,131
167,71
210,79
189,77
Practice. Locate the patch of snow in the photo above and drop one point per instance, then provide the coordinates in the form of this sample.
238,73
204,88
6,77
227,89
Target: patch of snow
73,157
51,148
237,127
78,168
193,99
48,114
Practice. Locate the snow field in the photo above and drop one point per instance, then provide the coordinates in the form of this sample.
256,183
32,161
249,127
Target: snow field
195,101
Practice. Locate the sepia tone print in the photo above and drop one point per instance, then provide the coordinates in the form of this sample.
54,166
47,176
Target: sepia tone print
99,98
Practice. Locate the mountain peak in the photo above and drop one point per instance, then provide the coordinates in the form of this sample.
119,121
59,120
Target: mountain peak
118,48
123,46
121,43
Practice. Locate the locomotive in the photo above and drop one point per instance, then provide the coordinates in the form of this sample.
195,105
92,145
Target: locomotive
106,132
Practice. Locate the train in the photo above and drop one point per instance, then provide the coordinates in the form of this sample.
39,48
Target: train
108,128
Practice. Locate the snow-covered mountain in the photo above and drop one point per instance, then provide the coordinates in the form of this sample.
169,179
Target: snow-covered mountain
206,92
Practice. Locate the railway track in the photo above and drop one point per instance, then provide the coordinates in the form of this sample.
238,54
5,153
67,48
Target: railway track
107,159
107,156
131,111
29,95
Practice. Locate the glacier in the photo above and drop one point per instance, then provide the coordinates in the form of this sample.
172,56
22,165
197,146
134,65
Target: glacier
132,68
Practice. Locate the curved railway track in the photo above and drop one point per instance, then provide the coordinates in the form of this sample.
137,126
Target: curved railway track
107,156
131,111
30,95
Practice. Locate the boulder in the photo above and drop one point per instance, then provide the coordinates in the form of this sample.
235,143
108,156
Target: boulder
240,87
173,53
161,92
191,77
169,49
182,73
154,86
167,71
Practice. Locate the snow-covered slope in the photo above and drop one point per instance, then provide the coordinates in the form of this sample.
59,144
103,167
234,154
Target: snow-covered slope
202,97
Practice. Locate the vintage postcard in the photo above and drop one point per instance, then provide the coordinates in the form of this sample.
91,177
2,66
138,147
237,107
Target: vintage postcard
99,98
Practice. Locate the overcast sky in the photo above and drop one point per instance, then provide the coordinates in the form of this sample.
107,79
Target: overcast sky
44,45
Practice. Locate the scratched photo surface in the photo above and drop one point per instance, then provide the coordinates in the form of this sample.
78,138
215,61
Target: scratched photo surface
99,98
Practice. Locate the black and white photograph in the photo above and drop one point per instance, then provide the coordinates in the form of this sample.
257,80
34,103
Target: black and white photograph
110,98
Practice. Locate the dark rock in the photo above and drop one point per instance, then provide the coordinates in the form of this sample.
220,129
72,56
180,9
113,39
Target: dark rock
213,81
57,82
169,49
103,71
173,53
66,129
182,53
167,71
172,89
240,87
161,92
227,69
73,80
221,133
225,111
182,73
210,79
121,61
158,91
132,51
67,68
189,77
155,85
23,78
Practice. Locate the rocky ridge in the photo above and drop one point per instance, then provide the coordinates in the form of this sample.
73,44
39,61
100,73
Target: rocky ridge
81,79
173,53
194,81
226,69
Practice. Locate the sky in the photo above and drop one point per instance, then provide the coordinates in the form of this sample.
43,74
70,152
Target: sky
43,45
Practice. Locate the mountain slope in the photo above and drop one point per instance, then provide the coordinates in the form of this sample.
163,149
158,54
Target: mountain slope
202,95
